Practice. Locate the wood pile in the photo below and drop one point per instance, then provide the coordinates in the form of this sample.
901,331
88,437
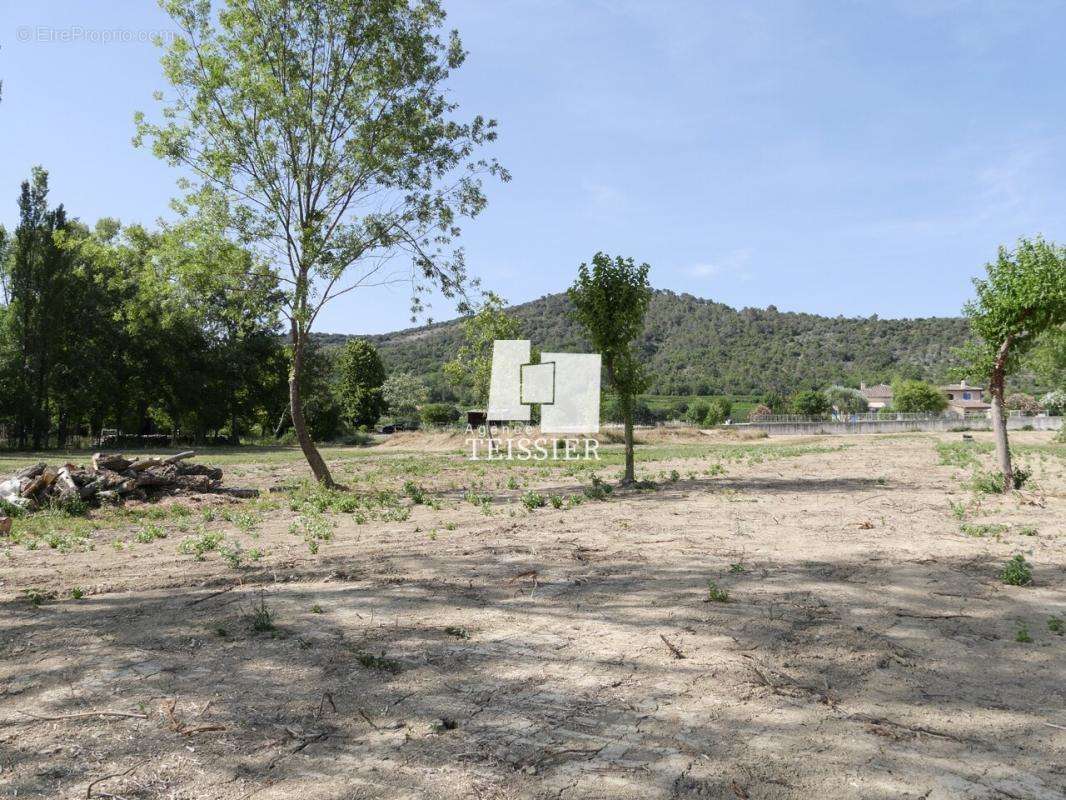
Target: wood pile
114,478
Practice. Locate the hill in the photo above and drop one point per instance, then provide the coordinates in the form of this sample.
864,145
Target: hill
698,346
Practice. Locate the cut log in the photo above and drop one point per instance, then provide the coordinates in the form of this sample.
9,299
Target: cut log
41,482
233,491
140,465
174,459
112,461
5,526
31,472
65,483
214,473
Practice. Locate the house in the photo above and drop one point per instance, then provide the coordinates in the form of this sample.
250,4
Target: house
965,399
877,397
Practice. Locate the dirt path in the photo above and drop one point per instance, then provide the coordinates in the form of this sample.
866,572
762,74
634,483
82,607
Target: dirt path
867,649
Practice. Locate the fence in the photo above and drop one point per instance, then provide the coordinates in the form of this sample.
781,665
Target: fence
865,416
888,424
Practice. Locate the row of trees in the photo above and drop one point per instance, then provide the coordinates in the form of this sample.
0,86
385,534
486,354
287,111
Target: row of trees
121,327
173,332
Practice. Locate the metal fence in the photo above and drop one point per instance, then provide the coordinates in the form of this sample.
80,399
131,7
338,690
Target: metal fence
866,416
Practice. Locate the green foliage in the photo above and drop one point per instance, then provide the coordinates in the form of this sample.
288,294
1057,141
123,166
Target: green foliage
201,544
330,164
415,492
1025,403
403,393
706,348
987,529
597,490
533,500
439,414
610,300
472,366
959,454
846,400
1022,300
361,377
917,397
809,402
718,411
1017,572
697,412
1054,402
715,594
1056,625
261,618
1022,634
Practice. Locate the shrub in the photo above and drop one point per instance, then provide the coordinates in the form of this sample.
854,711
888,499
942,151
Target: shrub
846,400
759,412
598,490
809,402
1054,403
718,412
1025,403
697,412
1017,572
532,500
439,414
415,492
715,594
912,397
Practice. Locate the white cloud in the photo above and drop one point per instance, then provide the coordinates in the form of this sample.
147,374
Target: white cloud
734,264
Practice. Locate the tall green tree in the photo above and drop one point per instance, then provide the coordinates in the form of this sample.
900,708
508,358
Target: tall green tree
610,299
36,281
1022,297
322,132
403,394
917,397
472,366
361,377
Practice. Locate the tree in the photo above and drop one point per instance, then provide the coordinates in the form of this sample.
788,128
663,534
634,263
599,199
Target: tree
403,393
1054,403
610,299
439,414
1025,403
1048,358
718,411
697,411
361,377
34,282
917,397
809,402
472,365
320,133
846,400
1021,299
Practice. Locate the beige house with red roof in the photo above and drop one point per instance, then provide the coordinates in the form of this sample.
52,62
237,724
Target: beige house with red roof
965,399
878,397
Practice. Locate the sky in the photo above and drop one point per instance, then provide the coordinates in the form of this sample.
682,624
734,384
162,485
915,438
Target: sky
840,158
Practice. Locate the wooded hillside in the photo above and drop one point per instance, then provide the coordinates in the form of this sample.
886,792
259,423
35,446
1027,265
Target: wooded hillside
698,346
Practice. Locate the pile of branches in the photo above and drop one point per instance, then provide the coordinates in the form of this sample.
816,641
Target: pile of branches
113,478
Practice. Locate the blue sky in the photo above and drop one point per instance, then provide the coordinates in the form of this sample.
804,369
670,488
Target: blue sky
850,158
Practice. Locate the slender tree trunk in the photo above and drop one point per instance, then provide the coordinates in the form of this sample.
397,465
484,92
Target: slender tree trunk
314,458
999,419
627,420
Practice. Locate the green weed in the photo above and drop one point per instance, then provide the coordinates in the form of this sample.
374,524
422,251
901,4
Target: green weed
715,594
1017,572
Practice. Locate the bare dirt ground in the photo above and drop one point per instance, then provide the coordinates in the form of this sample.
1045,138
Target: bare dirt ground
469,647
